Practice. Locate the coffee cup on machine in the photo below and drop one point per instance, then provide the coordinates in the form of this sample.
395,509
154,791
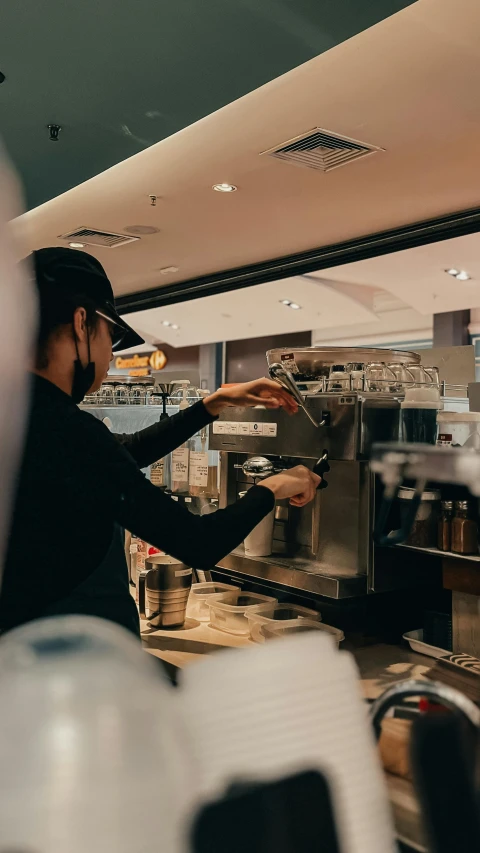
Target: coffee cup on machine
419,415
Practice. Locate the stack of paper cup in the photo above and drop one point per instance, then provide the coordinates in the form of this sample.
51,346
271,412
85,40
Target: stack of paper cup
278,709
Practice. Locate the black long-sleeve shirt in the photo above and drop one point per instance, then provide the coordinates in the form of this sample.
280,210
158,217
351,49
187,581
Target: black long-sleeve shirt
77,480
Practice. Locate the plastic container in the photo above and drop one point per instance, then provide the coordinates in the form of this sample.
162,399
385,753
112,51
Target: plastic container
459,429
417,644
201,594
274,629
419,412
230,612
281,613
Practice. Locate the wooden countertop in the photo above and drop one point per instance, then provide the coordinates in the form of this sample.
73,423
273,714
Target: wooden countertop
380,664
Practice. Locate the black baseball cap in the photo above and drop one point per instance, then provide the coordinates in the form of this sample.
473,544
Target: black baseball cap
73,273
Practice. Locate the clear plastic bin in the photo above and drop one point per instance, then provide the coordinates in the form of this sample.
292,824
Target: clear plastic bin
201,594
228,612
282,612
273,630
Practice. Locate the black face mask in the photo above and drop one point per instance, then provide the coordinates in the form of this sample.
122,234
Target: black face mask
83,377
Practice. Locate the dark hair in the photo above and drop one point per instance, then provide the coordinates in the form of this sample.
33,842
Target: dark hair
57,310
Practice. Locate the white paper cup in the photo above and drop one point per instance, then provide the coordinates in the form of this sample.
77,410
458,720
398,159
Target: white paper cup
258,543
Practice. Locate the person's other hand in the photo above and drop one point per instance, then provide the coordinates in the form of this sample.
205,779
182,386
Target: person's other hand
299,484
260,392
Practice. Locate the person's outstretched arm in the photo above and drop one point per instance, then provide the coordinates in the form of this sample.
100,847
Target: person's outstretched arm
198,541
156,441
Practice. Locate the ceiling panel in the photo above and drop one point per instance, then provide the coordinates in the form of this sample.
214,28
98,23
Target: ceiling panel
423,112
255,313
418,277
120,76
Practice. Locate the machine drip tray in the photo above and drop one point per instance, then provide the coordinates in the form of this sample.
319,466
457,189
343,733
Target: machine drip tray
298,573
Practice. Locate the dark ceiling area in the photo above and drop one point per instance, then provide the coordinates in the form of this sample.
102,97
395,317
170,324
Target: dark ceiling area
118,77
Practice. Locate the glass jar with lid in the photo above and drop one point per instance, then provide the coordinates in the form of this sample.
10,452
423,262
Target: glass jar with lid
138,394
464,529
424,532
356,370
339,378
122,395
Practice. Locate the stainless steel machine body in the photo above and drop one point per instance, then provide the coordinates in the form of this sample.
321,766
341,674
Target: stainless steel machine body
350,399
326,547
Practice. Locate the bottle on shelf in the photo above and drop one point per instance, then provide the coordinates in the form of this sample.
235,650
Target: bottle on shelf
445,526
157,473
464,529
203,477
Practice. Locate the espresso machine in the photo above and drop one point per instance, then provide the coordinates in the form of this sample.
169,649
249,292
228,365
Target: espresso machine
349,399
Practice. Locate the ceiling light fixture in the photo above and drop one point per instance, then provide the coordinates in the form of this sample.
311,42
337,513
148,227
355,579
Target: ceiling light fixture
463,276
165,322
224,188
452,271
77,245
175,327
290,304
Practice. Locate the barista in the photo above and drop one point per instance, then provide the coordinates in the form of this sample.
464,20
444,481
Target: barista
79,485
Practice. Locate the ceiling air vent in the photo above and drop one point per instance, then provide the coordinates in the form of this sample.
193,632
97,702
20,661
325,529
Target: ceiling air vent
92,237
320,149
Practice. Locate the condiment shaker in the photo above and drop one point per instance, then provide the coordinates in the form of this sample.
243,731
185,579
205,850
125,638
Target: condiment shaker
464,529
445,526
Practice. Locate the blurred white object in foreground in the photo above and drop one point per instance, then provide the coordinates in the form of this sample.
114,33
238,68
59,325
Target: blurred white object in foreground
92,754
283,707
17,313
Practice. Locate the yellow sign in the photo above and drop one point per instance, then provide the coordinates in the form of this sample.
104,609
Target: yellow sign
131,363
158,360
142,371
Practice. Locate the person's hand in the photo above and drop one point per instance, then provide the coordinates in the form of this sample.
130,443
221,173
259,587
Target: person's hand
299,484
260,392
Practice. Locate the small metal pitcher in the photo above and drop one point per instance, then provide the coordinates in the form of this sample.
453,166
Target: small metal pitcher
165,584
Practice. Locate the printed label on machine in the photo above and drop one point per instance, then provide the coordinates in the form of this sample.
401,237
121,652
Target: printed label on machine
198,475
245,428
288,360
445,439
180,464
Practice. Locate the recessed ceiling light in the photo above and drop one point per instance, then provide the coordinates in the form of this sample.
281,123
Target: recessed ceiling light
224,188
462,276
174,326
165,322
452,271
77,245
290,304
